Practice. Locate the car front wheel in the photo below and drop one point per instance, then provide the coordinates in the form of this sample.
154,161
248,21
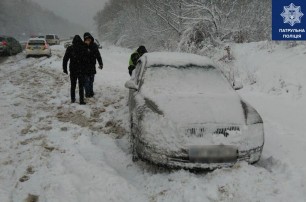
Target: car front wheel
10,52
135,157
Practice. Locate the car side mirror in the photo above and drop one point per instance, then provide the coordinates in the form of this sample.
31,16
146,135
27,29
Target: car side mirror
131,85
237,85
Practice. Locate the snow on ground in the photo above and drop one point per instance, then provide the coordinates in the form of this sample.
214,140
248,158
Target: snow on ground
56,151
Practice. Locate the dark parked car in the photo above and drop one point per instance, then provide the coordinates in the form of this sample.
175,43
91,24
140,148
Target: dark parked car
9,46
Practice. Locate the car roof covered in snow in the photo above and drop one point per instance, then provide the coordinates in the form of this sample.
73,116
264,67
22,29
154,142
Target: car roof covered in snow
176,59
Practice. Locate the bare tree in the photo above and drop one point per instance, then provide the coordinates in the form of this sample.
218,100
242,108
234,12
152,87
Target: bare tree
191,25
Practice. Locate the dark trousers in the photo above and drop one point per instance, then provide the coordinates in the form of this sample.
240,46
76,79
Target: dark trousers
89,80
74,78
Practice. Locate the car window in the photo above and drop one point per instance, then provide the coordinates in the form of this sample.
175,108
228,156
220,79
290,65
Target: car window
36,42
10,39
15,41
56,37
49,37
2,39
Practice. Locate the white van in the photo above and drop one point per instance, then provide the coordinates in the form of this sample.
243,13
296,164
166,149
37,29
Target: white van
52,39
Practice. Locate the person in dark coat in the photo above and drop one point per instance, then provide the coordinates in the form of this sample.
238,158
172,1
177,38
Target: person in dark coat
76,53
135,57
93,55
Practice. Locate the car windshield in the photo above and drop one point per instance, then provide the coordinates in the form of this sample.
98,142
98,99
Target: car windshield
49,37
36,42
185,80
2,39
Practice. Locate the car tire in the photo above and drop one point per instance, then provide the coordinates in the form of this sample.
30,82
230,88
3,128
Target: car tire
10,52
135,156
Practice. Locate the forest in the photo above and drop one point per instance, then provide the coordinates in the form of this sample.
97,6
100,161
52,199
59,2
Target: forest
184,25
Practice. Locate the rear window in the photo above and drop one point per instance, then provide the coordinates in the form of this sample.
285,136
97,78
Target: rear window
36,42
2,39
49,37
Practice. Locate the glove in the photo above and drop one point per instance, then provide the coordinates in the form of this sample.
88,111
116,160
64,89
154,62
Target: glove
101,67
65,71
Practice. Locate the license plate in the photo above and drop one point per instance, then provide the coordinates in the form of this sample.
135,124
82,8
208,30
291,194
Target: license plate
213,154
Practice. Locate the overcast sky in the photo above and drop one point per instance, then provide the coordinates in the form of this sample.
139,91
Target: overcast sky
77,11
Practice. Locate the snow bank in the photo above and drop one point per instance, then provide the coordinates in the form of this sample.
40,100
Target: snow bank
271,68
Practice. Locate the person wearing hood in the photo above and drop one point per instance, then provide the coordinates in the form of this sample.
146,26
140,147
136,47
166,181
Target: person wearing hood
76,53
135,57
93,55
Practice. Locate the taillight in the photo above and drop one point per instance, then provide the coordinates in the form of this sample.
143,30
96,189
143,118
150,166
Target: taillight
4,43
27,46
46,46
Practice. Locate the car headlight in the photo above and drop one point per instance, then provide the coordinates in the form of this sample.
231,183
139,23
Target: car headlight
251,115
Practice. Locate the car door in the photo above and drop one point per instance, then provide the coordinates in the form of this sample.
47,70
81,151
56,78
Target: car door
57,40
10,45
16,46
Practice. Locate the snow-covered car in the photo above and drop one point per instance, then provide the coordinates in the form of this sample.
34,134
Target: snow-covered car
38,47
184,113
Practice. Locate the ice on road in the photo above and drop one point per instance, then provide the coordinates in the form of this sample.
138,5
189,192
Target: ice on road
55,151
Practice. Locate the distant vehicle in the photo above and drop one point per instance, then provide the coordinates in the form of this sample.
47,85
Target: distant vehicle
52,39
185,114
38,47
9,46
41,37
69,43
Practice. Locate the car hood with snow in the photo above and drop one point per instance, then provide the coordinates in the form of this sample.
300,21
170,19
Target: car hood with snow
191,90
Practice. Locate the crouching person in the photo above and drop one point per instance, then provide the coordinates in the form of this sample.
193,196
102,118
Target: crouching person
76,53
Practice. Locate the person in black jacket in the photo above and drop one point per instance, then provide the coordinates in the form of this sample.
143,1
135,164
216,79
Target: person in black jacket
76,53
93,55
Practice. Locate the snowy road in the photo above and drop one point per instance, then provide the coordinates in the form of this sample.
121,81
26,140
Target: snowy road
61,152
